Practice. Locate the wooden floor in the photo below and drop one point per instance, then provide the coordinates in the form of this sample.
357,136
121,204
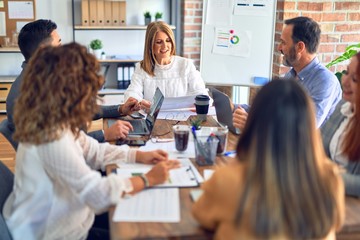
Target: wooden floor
7,153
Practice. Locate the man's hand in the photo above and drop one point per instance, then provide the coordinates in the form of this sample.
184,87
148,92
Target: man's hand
120,129
239,118
131,105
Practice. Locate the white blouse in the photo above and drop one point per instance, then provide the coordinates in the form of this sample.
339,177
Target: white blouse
56,191
337,140
177,79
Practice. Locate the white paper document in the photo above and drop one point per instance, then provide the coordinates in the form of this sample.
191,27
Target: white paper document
179,177
21,9
182,114
178,102
151,205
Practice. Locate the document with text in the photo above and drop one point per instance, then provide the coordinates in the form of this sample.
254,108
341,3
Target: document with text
150,205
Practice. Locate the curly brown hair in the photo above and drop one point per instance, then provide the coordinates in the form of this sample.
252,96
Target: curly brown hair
58,92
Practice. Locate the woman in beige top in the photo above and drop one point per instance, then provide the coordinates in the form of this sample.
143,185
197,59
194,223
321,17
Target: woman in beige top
281,186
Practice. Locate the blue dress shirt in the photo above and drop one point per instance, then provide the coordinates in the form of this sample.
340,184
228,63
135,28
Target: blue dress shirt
323,87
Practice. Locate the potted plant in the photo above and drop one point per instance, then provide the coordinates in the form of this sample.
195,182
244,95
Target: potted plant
349,52
96,47
147,17
158,16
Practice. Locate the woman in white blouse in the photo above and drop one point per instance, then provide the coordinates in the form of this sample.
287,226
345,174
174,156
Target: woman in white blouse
341,133
57,190
174,75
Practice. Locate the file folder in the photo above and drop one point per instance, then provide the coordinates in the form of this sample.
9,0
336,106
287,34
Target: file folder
93,12
118,13
100,12
85,12
107,13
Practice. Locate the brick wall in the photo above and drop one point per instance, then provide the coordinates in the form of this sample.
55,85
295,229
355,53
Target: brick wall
192,30
339,21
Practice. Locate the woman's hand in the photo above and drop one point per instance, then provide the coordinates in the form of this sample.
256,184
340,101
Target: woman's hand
160,172
151,157
145,105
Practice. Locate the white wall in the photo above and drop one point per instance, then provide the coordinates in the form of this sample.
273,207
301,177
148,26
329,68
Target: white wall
115,42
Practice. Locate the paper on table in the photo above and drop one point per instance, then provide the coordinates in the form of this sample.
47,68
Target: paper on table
178,102
179,177
181,114
151,205
169,147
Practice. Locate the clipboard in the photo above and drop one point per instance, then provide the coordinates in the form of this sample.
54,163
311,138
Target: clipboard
178,178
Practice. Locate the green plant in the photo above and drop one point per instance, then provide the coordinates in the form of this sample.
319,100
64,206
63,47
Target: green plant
96,44
196,123
349,52
158,15
147,14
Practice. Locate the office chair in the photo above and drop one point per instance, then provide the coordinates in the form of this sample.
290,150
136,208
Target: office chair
6,131
6,185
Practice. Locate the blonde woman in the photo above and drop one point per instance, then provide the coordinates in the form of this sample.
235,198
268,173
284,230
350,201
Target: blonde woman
57,191
174,75
281,186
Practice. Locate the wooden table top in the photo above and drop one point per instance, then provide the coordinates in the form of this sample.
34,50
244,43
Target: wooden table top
188,226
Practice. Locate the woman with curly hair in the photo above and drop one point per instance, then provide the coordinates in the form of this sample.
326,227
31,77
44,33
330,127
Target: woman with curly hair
57,189
281,186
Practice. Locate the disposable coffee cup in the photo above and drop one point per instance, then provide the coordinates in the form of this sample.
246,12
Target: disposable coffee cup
202,106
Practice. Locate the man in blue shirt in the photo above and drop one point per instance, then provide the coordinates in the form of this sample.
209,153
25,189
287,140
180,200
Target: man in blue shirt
299,42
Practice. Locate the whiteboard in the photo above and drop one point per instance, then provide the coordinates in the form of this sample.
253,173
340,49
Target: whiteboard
237,42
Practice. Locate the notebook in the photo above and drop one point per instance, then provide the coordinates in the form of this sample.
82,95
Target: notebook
223,109
145,126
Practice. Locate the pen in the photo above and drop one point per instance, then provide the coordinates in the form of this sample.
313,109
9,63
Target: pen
229,153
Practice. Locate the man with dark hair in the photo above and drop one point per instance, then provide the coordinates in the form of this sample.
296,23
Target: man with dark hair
299,42
43,33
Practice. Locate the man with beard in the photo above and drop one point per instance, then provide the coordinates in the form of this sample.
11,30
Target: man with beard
299,42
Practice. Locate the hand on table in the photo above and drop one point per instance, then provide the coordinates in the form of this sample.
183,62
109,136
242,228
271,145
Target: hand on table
120,129
151,157
239,118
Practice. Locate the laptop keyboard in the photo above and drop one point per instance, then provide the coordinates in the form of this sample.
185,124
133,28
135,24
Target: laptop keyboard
139,126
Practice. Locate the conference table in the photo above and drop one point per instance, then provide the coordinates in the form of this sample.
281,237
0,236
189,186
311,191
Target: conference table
188,228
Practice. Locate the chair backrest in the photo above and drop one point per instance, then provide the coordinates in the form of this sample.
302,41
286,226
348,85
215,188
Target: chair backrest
8,133
6,186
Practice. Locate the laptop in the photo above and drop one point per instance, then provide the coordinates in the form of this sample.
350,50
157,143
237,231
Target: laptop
145,126
224,113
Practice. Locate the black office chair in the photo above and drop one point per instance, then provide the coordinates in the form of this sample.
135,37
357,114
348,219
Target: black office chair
6,131
6,186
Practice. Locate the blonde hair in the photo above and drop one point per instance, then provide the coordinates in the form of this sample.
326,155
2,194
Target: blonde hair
291,188
149,61
58,92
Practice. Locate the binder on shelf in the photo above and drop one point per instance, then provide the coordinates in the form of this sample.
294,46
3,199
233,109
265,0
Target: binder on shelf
118,13
93,12
126,73
85,12
100,12
131,71
107,13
